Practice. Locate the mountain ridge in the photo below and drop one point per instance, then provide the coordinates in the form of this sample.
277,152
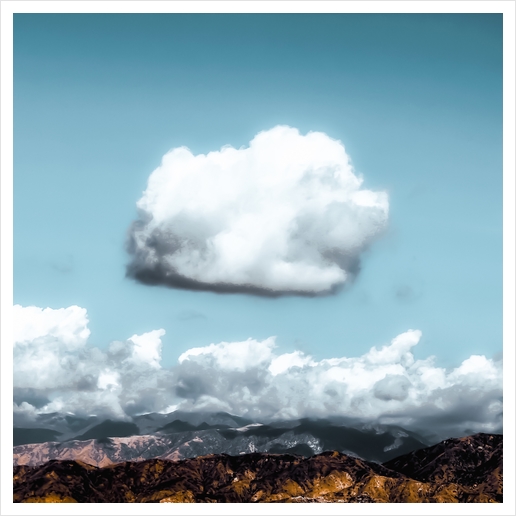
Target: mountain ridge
261,477
303,440
180,435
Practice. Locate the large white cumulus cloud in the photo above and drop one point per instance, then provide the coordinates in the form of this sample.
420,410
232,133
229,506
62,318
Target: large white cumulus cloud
47,344
386,384
68,326
253,378
287,214
54,365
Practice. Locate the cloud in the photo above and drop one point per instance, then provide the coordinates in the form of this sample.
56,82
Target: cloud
232,356
68,326
147,347
47,345
58,371
392,387
286,215
52,361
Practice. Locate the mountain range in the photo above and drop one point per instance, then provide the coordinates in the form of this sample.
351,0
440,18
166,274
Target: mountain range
181,435
468,469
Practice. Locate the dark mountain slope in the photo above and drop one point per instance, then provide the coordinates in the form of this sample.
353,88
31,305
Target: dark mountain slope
471,461
34,435
109,428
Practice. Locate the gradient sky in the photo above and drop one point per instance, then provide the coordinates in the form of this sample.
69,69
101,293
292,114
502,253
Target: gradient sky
415,99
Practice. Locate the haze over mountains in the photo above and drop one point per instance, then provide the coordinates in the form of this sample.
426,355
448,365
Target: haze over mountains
181,435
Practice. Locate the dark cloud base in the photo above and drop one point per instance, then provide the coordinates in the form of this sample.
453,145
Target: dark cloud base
36,397
158,275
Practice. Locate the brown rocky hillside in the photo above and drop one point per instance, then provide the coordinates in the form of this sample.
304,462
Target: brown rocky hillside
260,477
475,462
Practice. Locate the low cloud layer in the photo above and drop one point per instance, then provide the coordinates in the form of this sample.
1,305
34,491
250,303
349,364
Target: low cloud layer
286,215
56,370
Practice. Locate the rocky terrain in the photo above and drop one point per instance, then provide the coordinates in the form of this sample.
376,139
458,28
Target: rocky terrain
181,435
475,462
456,470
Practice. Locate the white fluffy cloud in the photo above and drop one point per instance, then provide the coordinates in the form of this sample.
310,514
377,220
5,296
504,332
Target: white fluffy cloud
68,326
47,344
232,356
53,361
386,384
147,347
285,215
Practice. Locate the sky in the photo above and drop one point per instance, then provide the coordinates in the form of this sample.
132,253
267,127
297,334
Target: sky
272,204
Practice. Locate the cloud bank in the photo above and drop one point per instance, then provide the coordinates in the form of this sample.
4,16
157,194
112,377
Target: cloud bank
55,370
286,215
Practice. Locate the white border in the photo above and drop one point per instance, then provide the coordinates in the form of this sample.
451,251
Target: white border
8,8
259,6
509,248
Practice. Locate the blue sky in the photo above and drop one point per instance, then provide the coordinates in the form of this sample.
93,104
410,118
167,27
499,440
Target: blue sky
415,99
